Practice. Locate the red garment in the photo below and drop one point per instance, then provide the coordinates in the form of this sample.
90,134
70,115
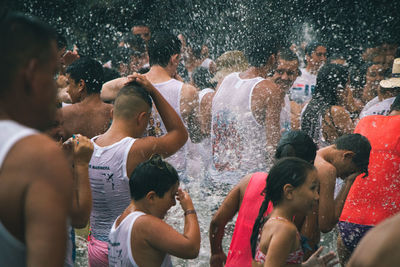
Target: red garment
240,251
377,197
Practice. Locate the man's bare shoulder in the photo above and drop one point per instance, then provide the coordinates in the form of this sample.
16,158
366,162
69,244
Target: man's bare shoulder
324,167
189,91
268,85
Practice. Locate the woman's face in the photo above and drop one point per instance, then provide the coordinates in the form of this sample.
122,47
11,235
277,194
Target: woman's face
307,194
165,202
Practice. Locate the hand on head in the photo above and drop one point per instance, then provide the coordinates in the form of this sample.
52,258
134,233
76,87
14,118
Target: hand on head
184,199
142,80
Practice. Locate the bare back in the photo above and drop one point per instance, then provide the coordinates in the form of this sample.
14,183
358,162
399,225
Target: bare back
88,119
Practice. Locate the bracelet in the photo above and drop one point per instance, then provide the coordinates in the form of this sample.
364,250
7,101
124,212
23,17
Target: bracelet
189,212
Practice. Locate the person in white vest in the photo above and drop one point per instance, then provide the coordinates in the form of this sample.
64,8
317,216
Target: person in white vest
139,236
119,150
164,54
387,92
35,180
245,115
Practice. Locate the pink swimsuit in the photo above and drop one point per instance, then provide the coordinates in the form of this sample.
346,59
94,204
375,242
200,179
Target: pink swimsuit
296,257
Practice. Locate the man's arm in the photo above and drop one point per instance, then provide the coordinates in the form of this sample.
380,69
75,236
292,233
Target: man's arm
190,112
111,88
273,104
165,145
47,200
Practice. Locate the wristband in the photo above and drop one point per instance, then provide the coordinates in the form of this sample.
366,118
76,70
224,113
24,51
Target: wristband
189,212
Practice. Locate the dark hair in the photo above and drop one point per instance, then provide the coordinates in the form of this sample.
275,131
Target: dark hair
325,95
201,78
61,41
288,55
396,104
161,47
155,175
121,55
135,42
88,70
23,38
260,48
359,145
296,144
288,170
310,48
110,74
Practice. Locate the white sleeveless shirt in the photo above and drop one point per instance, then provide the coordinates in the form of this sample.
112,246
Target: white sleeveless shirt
12,251
376,107
119,245
238,140
171,91
110,185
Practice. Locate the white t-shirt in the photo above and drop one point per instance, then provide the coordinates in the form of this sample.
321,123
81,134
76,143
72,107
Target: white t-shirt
303,87
376,107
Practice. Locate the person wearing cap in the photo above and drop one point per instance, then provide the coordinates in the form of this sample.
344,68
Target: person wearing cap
376,197
387,92
346,159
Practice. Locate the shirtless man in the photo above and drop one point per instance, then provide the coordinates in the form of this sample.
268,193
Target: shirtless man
35,196
347,158
245,127
120,149
88,115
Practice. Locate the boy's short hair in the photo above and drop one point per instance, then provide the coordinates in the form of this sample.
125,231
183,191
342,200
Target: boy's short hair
358,144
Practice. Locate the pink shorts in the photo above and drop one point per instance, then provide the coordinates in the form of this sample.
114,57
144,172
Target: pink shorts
97,253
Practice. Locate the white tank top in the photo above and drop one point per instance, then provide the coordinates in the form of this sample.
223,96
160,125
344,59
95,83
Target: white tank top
119,246
238,140
171,91
110,185
376,107
12,251
206,63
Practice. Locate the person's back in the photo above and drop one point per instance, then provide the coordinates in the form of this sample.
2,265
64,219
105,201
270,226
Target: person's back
237,138
245,116
35,197
164,52
118,151
88,115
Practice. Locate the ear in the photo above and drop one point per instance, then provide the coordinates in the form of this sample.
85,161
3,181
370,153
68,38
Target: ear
348,155
29,75
288,190
81,85
150,196
175,59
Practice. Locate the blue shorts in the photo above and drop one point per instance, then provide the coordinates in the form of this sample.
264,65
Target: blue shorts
352,233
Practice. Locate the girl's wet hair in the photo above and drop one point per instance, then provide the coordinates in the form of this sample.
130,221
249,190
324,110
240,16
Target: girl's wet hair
153,175
288,170
296,144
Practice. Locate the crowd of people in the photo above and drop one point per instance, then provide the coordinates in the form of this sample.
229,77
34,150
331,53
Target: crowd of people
297,146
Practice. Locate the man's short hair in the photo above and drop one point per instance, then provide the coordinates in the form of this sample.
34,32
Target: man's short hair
161,47
131,99
88,70
23,38
310,48
288,55
359,145
260,48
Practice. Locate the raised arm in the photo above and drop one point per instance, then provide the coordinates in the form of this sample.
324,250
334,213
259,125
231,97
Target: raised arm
190,112
82,194
167,239
111,88
165,145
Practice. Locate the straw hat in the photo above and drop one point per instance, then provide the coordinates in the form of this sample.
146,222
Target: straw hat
395,80
228,62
